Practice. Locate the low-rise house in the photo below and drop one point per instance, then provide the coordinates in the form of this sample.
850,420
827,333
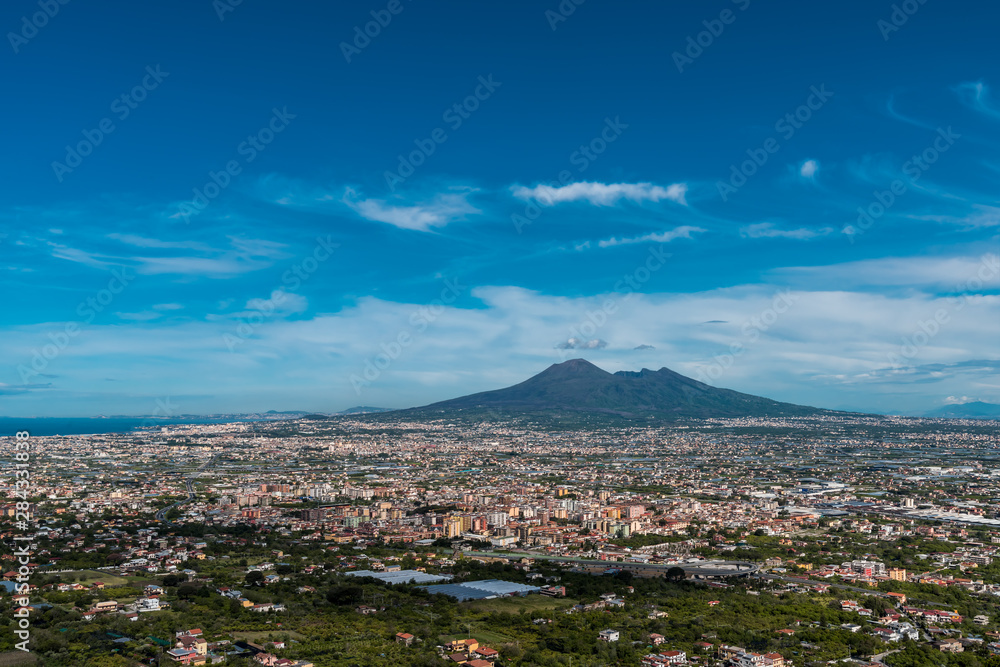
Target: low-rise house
196,644
609,635
749,659
183,656
949,646
487,653
886,634
907,630
665,659
464,645
147,604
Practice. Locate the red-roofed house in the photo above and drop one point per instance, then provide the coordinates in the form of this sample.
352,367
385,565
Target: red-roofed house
487,653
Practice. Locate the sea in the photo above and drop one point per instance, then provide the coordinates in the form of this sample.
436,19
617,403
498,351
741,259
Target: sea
39,426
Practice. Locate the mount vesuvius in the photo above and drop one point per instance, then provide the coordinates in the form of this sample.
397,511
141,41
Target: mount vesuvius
579,386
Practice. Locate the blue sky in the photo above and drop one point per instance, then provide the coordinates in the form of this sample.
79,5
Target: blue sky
211,207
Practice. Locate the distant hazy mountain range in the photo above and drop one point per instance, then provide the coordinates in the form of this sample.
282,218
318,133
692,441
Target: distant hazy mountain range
973,410
580,386
362,410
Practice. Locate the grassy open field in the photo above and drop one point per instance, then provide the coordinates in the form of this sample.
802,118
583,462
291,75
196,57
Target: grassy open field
256,637
90,576
514,605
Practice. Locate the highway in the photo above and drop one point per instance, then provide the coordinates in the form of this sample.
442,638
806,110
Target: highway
701,569
189,484
880,657
799,580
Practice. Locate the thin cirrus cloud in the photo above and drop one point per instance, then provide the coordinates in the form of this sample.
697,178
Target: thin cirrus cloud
209,267
242,256
10,390
809,169
958,274
980,216
423,216
682,232
145,242
78,256
891,110
142,316
602,194
976,95
768,230
399,211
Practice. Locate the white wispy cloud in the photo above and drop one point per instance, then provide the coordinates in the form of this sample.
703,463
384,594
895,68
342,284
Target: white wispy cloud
890,108
296,193
956,274
602,194
768,230
145,242
682,232
809,168
422,216
9,390
279,302
210,267
243,255
581,344
143,316
819,342
401,211
980,216
976,95
93,260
